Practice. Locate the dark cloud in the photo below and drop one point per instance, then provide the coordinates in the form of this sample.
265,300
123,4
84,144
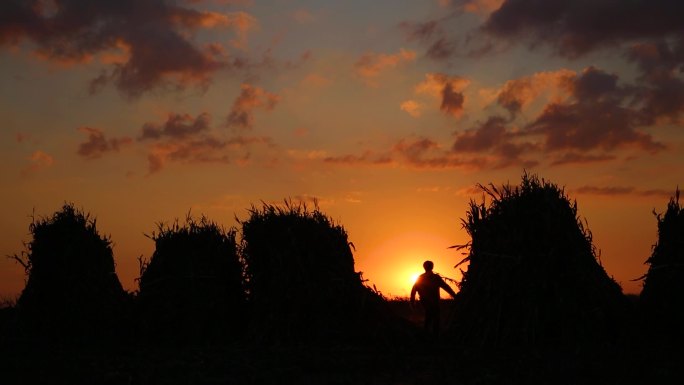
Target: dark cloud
420,31
97,144
145,43
573,28
580,158
649,32
661,94
206,149
589,116
595,85
494,138
426,153
242,113
447,89
598,117
489,135
412,152
177,126
587,126
615,190
190,140
441,49
368,157
588,112
452,100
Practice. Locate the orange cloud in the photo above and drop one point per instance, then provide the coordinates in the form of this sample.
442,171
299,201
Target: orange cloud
243,24
434,84
39,160
120,53
517,94
447,89
482,6
241,115
411,107
371,65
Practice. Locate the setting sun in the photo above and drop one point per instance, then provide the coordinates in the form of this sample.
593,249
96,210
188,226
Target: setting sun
413,278
407,252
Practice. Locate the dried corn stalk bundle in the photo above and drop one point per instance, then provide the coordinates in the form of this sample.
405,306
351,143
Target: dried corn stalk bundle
662,297
534,278
192,288
301,279
72,289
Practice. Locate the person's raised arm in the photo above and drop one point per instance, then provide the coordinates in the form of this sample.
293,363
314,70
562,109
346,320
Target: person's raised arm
447,288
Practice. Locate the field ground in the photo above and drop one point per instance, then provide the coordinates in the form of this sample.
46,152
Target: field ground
401,362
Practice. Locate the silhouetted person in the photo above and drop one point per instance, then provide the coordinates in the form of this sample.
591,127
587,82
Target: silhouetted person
427,285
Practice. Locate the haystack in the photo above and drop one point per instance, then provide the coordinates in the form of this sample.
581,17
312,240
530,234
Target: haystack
301,279
662,297
534,279
72,288
192,288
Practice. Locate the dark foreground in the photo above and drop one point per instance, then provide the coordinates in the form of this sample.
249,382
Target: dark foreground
414,361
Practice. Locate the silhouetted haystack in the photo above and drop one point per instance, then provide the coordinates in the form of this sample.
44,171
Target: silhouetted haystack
192,289
662,297
534,279
72,288
301,279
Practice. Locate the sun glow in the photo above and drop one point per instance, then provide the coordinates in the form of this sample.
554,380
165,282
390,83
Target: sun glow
413,278
408,251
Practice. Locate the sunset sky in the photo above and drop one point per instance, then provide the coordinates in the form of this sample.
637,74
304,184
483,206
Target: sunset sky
386,112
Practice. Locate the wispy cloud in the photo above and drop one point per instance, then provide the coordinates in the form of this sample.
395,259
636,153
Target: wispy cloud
580,158
38,160
176,126
623,191
183,138
370,65
251,97
97,144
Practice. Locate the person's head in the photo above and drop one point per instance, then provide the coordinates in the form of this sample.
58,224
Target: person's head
428,265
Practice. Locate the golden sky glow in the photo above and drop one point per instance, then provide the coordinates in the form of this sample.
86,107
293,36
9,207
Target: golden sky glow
388,113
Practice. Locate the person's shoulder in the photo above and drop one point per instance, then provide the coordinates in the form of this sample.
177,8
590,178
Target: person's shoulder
437,277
